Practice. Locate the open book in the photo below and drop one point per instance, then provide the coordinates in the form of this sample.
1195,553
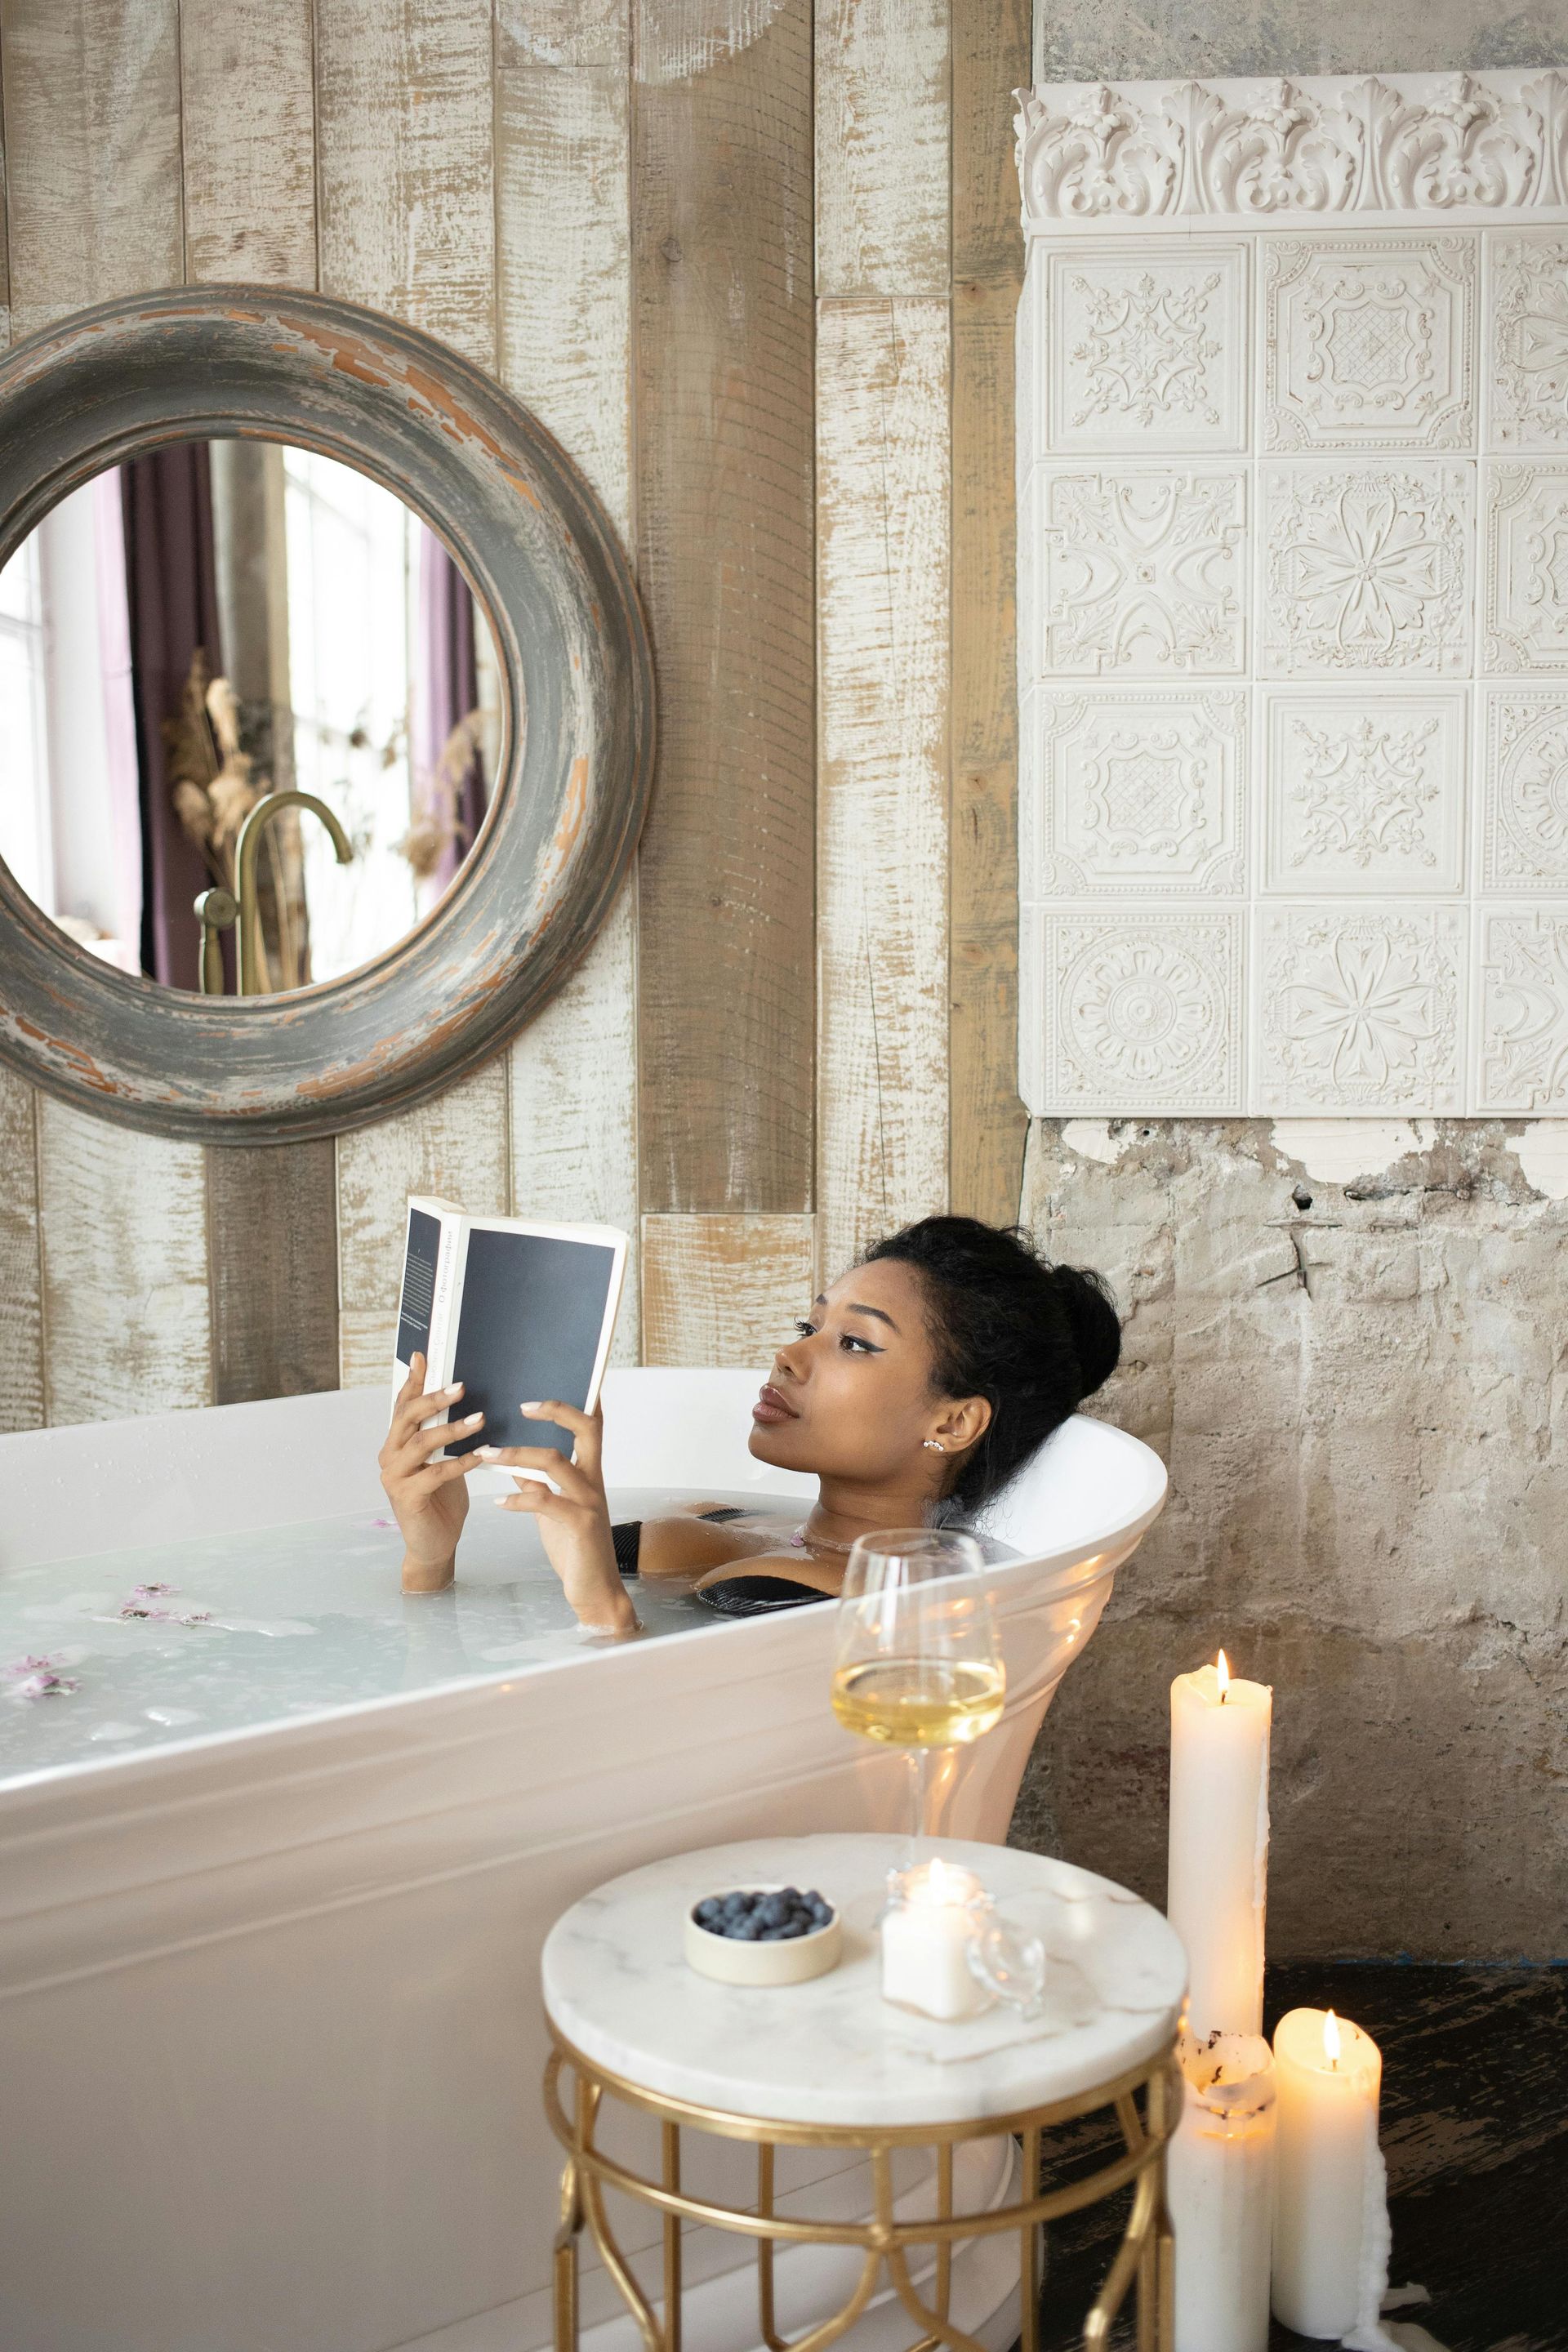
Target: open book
516,1309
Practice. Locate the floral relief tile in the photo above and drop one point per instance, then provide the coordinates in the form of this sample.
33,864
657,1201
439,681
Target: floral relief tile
1367,343
1145,351
1527,341
1364,792
1367,568
1142,571
1142,1011
1521,1060
1360,1008
1130,793
1525,793
1526,603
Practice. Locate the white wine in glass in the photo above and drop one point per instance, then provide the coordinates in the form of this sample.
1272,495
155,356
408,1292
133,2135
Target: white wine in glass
917,1661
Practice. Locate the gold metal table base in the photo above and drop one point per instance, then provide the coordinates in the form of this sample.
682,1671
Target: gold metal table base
1144,2256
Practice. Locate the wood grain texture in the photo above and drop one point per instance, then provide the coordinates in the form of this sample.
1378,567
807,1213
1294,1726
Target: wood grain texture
248,141
405,152
21,1297
721,180
990,1124
882,522
564,324
724,1290
272,1243
882,119
455,1145
5,236
123,1226
92,121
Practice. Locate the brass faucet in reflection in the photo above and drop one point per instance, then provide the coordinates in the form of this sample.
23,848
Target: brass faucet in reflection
218,909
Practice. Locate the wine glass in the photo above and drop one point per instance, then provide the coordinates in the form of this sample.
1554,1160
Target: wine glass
917,1659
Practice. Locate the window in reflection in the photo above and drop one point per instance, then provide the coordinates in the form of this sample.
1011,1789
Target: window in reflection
209,624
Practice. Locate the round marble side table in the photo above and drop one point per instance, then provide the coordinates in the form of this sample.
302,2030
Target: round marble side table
829,2066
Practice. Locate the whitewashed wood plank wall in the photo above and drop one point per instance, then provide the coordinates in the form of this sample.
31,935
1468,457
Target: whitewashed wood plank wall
472,166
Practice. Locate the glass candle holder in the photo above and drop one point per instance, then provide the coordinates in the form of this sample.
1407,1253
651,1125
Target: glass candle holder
945,1953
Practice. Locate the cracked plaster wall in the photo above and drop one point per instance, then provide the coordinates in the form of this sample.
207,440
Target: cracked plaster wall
1360,1400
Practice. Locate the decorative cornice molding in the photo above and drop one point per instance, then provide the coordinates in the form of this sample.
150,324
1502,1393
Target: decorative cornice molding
1446,146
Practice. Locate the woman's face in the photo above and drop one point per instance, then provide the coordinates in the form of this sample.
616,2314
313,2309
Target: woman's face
851,1396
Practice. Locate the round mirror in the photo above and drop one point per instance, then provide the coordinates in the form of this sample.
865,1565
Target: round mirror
326,713
199,630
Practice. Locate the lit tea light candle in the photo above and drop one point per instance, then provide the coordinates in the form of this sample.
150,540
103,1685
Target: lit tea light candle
1219,2184
1219,1843
1330,2211
926,1935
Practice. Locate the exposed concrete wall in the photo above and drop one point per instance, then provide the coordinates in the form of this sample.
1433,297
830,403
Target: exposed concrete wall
1362,1400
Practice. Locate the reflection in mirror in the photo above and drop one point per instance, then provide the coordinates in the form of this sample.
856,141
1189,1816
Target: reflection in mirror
204,626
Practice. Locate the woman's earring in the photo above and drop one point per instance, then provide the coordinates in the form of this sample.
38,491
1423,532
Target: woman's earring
933,1445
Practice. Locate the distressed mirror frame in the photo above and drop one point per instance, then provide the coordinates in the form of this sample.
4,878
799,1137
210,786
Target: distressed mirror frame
540,553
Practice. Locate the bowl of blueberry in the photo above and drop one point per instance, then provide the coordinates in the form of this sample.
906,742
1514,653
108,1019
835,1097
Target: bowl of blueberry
762,1936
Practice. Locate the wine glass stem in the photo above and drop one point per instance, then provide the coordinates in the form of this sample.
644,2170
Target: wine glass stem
920,1765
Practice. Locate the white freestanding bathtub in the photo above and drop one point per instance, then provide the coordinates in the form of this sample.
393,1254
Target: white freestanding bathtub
275,1875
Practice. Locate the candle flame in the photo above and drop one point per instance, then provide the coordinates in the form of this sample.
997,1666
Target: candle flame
1223,1671
943,1884
1331,2038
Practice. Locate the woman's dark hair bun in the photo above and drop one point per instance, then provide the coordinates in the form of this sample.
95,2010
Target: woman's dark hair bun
1034,1338
1096,1326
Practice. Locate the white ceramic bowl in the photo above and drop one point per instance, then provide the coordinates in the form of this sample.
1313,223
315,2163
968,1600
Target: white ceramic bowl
793,1961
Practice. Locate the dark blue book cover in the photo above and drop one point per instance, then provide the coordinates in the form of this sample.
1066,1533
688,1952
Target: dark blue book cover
529,1327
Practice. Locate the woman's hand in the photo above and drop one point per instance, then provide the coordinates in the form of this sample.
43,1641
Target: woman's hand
574,1523
429,1500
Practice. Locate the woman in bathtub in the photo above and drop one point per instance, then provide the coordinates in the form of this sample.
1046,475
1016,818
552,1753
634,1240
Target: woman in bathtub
919,1383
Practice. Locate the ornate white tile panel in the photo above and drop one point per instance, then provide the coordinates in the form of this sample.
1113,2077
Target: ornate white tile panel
1523,1010
1524,791
1526,600
1364,792
1367,343
1293,596
1361,1008
1143,1011
1142,571
1527,341
1144,352
1441,146
1366,568
1139,793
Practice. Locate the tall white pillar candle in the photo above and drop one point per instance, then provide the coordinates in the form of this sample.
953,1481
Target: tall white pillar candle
1219,1845
1219,2185
1331,2225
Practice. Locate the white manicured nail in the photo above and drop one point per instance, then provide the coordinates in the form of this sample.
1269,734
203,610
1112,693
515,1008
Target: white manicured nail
488,1453
534,1407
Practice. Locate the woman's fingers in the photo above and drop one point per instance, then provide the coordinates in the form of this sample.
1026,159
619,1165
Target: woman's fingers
414,1405
587,1428
575,1487
442,1474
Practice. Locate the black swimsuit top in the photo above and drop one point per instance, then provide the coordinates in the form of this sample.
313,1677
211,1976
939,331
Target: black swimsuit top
733,1596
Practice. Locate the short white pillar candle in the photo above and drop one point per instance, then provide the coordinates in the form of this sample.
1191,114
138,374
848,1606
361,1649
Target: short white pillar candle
1219,2185
1219,1845
926,1933
1331,2215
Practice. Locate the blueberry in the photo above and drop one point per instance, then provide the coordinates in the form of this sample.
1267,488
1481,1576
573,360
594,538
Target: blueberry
820,1911
774,1911
811,1897
709,1910
796,1927
773,1934
748,1931
734,1905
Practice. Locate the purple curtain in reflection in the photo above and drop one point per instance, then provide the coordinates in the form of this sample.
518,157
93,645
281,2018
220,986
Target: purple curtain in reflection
171,575
119,712
446,689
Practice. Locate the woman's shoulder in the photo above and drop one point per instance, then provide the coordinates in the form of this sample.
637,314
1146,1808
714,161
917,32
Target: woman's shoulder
704,1535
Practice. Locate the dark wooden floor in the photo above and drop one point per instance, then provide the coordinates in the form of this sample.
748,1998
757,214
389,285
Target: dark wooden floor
1475,2130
